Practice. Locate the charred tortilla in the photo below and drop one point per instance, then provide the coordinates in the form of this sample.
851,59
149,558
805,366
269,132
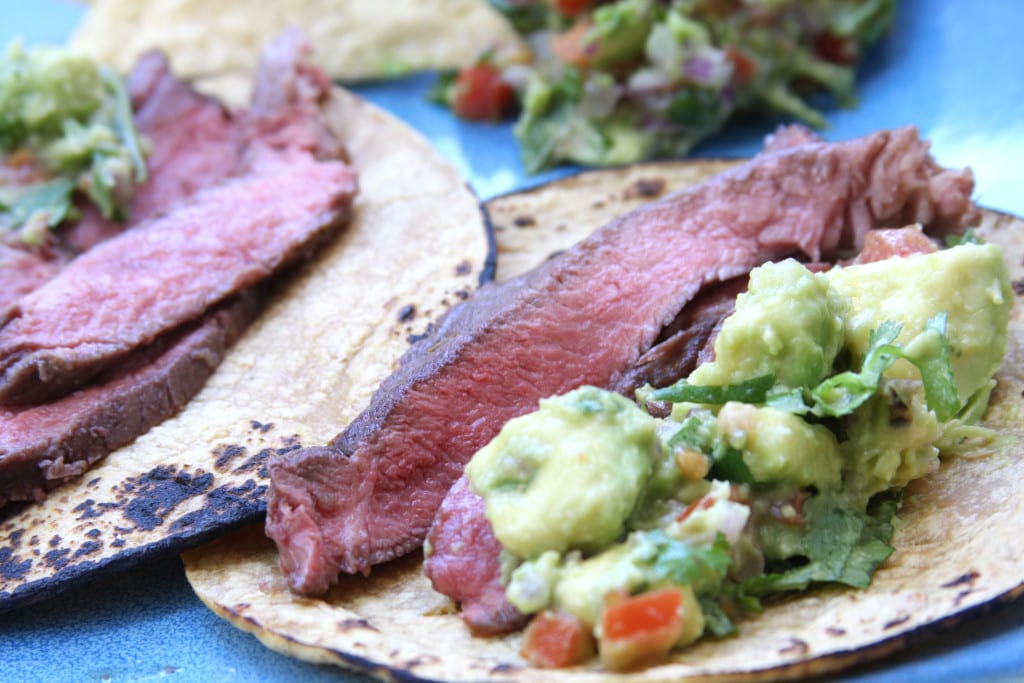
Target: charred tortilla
331,332
951,558
210,43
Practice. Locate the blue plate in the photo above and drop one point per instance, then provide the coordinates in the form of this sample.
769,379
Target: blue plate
955,69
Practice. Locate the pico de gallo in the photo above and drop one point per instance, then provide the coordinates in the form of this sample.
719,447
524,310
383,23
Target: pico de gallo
609,82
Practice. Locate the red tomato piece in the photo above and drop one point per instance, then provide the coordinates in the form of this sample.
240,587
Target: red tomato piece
836,49
570,8
640,628
555,640
882,244
480,94
743,67
570,46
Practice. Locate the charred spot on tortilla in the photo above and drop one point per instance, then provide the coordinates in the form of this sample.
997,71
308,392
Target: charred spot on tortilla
407,313
898,621
225,454
524,221
147,499
645,188
262,427
967,579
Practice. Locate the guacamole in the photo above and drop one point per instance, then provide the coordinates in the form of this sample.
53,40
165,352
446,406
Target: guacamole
781,463
66,129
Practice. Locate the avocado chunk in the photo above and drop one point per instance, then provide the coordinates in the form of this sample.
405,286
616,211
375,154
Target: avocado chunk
892,440
968,282
786,324
779,447
568,475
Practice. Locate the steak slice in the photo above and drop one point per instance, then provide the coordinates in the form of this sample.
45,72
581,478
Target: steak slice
463,560
468,570
686,342
584,317
194,143
42,446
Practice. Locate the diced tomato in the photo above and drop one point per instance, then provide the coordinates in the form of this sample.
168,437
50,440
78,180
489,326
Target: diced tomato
480,93
555,640
882,244
640,628
569,46
743,67
570,8
836,49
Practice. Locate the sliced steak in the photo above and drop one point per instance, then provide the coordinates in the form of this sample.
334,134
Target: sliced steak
194,142
469,568
127,291
44,445
463,561
584,317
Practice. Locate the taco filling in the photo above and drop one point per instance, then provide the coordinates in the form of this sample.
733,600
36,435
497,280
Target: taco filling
776,464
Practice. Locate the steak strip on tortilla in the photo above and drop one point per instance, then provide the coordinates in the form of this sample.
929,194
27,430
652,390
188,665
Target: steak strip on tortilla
584,317
291,191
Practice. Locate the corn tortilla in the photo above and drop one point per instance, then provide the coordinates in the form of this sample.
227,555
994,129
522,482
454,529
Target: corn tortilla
951,556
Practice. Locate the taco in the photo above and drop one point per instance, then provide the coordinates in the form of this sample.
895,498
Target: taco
329,330
949,560
214,44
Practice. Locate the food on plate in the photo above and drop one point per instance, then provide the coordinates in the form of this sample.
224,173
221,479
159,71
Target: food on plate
615,81
585,317
288,191
329,329
214,44
948,561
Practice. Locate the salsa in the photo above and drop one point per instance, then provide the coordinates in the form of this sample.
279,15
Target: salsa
617,81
